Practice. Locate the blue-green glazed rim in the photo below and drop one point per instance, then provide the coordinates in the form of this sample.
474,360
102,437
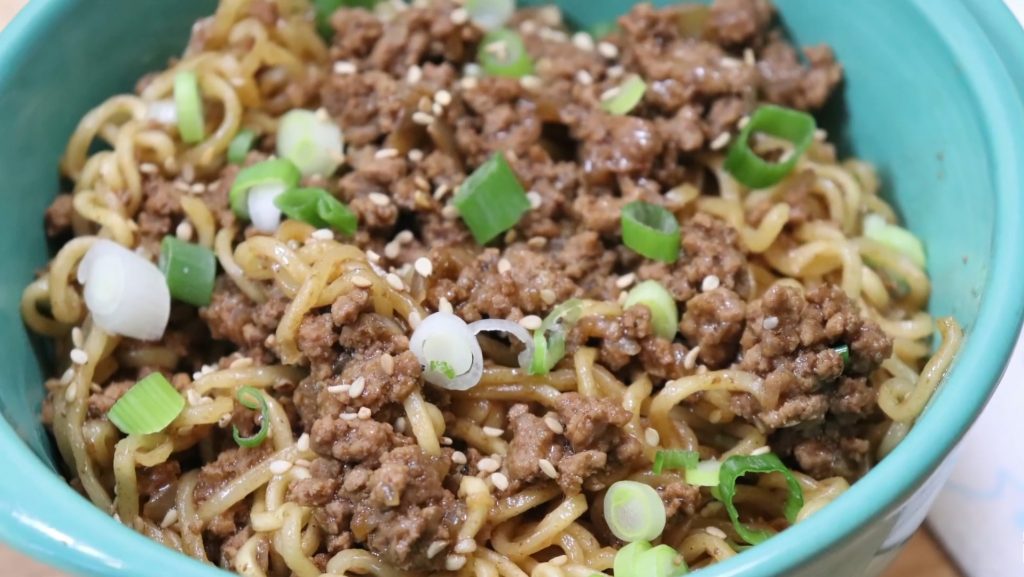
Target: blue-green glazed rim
46,519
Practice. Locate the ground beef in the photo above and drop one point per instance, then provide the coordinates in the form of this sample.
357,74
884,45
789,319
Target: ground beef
354,440
740,22
786,81
614,145
234,317
230,464
714,321
532,440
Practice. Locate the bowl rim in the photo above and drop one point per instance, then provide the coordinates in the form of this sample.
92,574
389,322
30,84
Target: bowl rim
69,521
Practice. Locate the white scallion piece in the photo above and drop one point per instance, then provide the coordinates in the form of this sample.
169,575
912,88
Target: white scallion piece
265,215
895,237
515,329
314,143
125,293
449,352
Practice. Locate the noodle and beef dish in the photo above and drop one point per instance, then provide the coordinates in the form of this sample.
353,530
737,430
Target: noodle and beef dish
374,288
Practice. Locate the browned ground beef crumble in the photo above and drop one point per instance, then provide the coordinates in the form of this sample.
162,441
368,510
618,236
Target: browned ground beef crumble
371,485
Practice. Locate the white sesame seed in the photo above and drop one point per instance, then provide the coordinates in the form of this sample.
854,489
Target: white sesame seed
504,266
357,388
720,141
761,451
608,50
387,364
615,71
770,323
622,298
424,267
459,16
437,109
716,532
445,306
379,198
459,458
553,424
625,280
348,416
585,78
730,63
345,67
454,562
79,357
493,432
530,322
531,82
415,155
743,122
610,93
583,41
422,118
414,319
404,237
465,546
447,441
488,465
414,74
401,424
181,186
323,234
169,519
71,392
500,481
469,83
547,295
690,360
280,467
395,282
450,212
303,443
77,338
443,97
710,283
652,437
548,468
364,413
341,389
361,281
535,199
385,153
392,249
241,363
148,168
820,134
321,114
441,191
67,376
435,548
749,57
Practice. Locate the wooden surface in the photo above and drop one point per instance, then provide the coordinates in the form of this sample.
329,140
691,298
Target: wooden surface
922,558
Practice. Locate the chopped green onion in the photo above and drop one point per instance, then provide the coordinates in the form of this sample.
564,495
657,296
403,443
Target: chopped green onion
569,312
314,143
324,9
661,561
490,14
503,53
627,559
317,207
442,367
651,231
189,105
623,99
738,465
491,200
747,167
657,299
844,353
894,237
190,270
148,407
705,474
276,171
675,459
252,398
240,146
548,351
634,511
445,338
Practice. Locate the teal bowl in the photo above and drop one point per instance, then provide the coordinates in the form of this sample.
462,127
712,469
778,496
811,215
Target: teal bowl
932,98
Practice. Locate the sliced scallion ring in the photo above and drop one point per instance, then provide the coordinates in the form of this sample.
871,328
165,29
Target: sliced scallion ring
491,200
739,465
126,293
674,459
511,328
626,97
503,53
240,146
317,207
792,125
705,474
445,345
651,231
313,143
190,270
189,106
634,511
657,299
253,399
627,559
263,211
895,237
148,407
490,14
660,561
278,171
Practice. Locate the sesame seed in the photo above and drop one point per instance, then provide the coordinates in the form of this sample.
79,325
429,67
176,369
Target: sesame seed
386,153
535,199
749,57
78,356
437,109
488,465
415,155
341,389
280,467
459,16
622,298
584,77
323,234
610,93
761,451
615,71
181,186
387,364
67,376
241,363
71,392
424,184
414,74
459,458
625,280
77,338
530,322
169,519
716,532
710,283
422,118
401,424
743,122
547,295
414,319
770,323
392,249
730,63
364,413
454,562
720,141
690,360
379,198
531,82
404,237
345,67
303,443
820,134
435,548
361,281
445,306
450,212
447,441
553,424
441,191
583,41
443,97
504,266
348,416
469,83
395,282
424,267
465,546
493,432
652,437
500,481
548,468
197,188
357,388
608,50
148,168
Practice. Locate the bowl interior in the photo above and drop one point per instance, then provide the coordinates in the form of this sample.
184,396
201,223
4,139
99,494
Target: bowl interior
948,162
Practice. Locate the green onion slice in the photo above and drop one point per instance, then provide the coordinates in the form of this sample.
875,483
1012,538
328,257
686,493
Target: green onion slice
675,459
324,9
747,167
277,171
503,53
549,339
319,208
240,146
491,200
626,97
627,559
661,561
739,465
490,14
894,237
634,511
314,143
190,270
148,407
253,399
189,105
844,352
664,312
651,231
705,474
